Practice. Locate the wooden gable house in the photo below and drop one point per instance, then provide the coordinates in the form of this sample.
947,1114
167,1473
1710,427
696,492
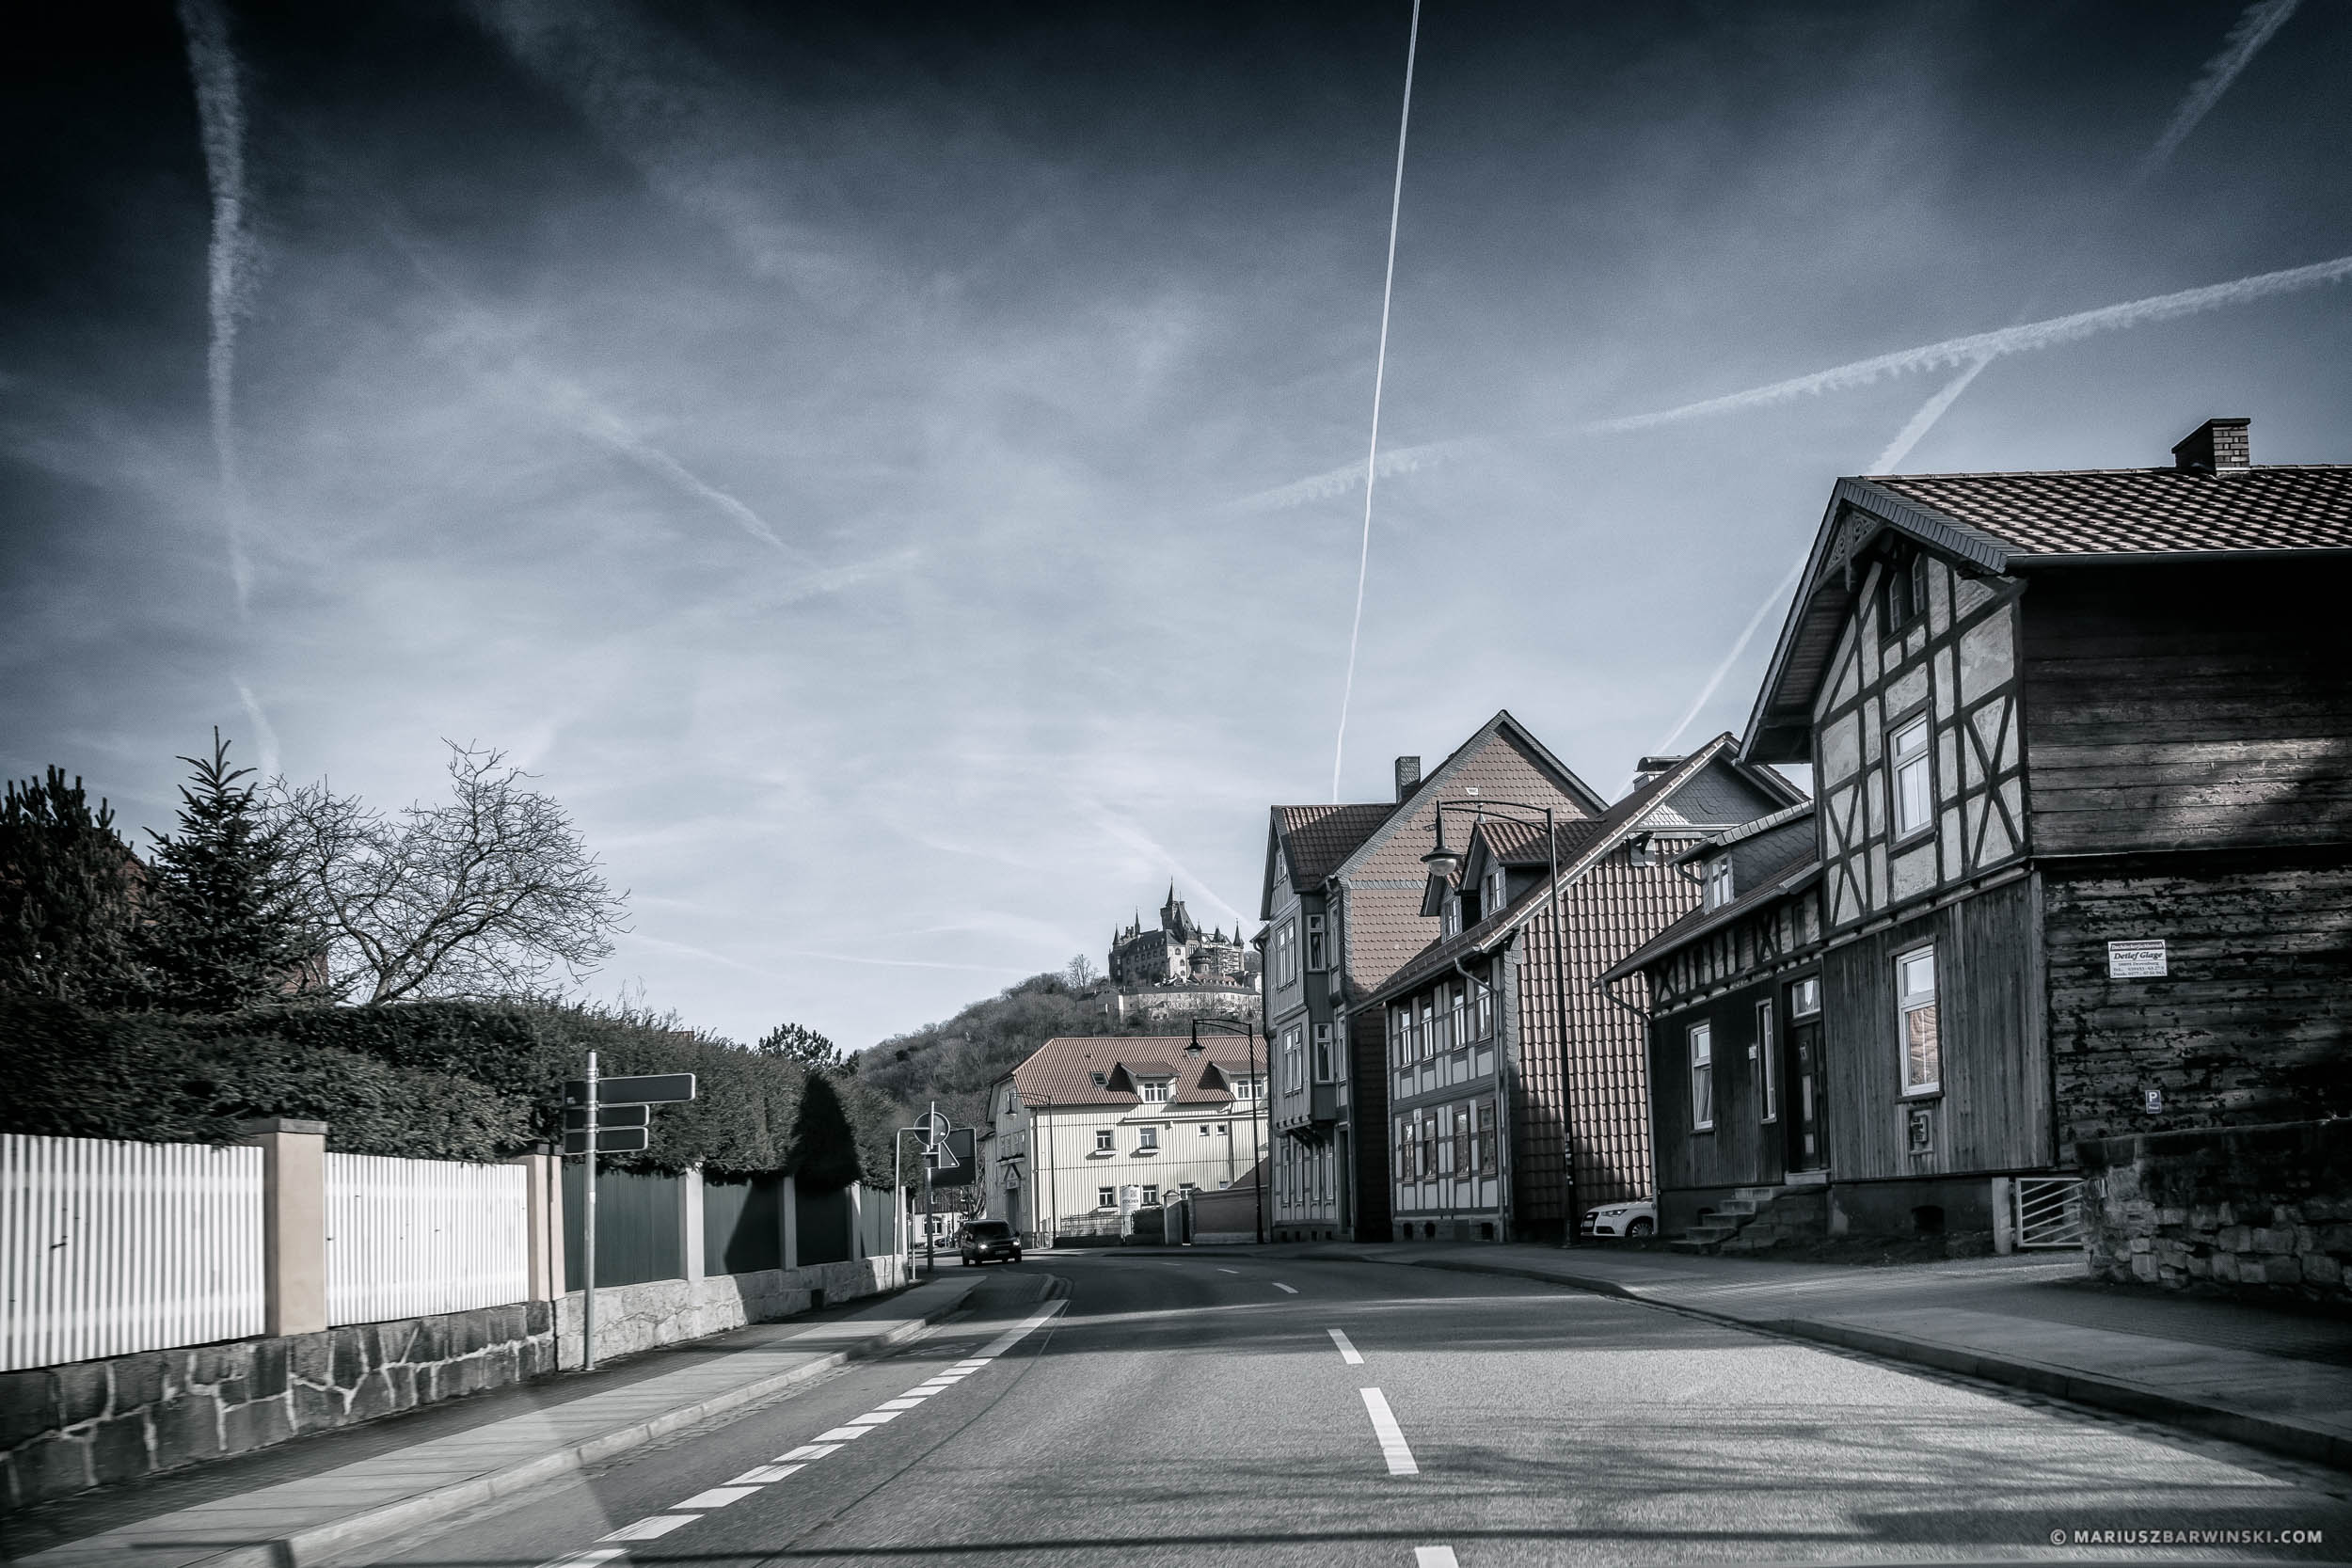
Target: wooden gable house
2082,745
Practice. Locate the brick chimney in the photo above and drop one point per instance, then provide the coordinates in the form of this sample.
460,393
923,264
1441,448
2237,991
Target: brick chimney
2217,447
1407,775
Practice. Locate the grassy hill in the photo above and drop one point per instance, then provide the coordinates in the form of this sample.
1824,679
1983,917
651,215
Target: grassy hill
955,1062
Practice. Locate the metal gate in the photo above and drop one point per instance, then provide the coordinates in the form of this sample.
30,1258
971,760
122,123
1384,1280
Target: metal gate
2049,1211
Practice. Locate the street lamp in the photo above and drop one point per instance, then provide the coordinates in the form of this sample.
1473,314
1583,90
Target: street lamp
1257,1099
1443,864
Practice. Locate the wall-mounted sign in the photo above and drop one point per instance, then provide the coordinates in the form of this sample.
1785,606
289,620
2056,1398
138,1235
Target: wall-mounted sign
2135,961
2155,1101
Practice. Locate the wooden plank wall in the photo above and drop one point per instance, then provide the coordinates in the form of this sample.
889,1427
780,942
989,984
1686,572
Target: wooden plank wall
2253,1023
1742,1151
1994,1112
2199,706
1368,1108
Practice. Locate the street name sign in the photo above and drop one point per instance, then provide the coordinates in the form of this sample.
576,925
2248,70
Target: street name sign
610,1140
575,1116
659,1088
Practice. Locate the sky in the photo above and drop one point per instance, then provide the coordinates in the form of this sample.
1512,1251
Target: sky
897,478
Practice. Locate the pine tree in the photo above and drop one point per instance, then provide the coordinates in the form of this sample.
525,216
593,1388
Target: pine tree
224,928
67,890
798,1043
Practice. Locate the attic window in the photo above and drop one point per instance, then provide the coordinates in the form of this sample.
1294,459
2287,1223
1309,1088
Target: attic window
1904,590
1153,1091
1099,1081
1719,882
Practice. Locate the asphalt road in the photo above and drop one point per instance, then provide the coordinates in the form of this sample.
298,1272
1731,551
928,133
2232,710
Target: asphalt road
1202,1410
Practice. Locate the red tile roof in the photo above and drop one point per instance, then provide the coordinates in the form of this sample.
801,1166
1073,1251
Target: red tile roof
1698,923
2129,511
1061,1071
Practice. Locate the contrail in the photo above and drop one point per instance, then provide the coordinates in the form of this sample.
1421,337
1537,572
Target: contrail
601,426
1723,671
2253,29
1379,378
220,111
1339,482
265,738
2246,40
1994,345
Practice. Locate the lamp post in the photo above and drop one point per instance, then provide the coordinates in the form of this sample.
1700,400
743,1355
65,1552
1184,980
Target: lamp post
1444,864
1257,1102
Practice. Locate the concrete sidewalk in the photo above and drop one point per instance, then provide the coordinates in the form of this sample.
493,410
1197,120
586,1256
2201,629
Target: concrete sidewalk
309,1518
2271,1378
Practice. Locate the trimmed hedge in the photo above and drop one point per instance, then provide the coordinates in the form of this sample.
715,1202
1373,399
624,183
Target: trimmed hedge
430,1080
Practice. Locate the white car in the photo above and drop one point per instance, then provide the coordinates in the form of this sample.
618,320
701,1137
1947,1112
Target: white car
1621,1219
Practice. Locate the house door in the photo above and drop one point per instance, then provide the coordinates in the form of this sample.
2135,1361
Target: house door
1808,1143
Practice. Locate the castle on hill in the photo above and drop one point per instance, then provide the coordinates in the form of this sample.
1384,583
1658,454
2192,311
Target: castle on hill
1180,952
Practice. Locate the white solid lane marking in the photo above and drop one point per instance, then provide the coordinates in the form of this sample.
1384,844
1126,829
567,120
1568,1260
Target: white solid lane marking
842,1435
718,1497
650,1528
1291,1290
1434,1557
1392,1445
807,1450
1347,1352
1022,1330
762,1476
587,1559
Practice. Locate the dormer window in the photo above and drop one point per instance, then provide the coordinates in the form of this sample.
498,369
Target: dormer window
1719,882
1493,900
1100,1081
1152,1091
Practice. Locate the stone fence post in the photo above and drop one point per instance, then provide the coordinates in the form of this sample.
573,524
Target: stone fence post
791,1225
294,1223
692,1264
543,1203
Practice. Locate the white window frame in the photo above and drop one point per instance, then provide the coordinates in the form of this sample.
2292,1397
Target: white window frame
1325,1064
1805,998
1152,1091
1701,1039
1318,959
1294,1062
1146,1140
1911,780
1106,1141
1151,1195
1767,1056
1719,882
1496,894
1286,952
1204,1129
1911,1004
1106,1197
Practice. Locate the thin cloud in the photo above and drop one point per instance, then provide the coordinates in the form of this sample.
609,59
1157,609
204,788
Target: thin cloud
1133,837
1994,345
220,114
265,738
601,425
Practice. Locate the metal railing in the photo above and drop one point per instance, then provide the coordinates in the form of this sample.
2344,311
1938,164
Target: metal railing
2049,1211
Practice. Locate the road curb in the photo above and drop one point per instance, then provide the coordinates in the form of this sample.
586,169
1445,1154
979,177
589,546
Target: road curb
323,1543
2276,1434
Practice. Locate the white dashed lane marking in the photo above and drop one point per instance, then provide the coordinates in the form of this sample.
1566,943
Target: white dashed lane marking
1287,1289
1347,1352
1221,1269
655,1525
1392,1445
1434,1557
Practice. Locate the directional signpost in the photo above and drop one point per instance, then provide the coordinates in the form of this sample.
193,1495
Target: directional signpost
610,1116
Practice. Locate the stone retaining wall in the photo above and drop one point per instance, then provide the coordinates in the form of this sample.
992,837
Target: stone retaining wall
2250,1211
634,1318
66,1428
91,1423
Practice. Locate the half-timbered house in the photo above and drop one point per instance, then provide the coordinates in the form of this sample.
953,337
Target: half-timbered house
1516,1095
2082,744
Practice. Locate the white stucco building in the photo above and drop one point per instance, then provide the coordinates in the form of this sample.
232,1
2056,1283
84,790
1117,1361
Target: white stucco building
1090,1126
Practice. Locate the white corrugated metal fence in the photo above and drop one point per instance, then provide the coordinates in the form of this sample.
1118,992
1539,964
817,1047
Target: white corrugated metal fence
406,1238
107,1247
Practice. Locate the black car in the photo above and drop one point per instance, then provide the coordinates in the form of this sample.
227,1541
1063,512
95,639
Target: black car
987,1241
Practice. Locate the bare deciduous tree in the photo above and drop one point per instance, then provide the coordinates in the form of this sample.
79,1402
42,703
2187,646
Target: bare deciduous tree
485,896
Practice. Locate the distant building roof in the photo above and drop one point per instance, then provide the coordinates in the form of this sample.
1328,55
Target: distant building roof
1061,1071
